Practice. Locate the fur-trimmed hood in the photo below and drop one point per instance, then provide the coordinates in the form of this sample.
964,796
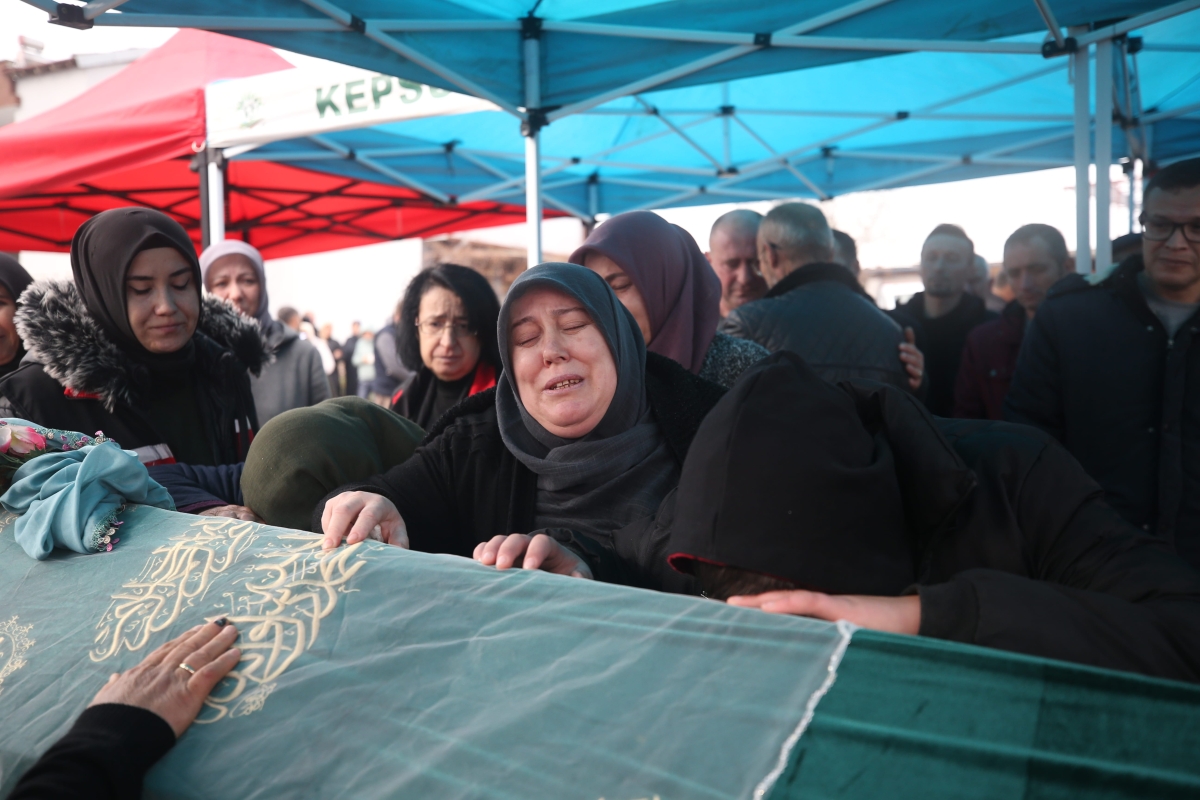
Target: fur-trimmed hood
75,350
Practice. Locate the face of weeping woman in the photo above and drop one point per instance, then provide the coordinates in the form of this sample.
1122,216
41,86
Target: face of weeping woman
562,367
162,300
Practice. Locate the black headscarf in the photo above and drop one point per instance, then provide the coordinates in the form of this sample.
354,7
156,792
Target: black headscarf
620,471
101,253
784,479
14,278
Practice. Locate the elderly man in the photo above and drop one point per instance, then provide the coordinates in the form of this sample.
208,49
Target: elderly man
1035,257
816,308
945,312
733,254
1112,370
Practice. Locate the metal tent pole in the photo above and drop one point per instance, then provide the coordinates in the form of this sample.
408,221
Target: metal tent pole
1104,116
531,32
215,205
1083,183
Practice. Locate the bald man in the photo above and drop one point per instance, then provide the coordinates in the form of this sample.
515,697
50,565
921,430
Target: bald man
733,254
815,307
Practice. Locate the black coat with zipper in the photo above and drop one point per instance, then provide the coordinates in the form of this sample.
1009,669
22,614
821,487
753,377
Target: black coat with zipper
1013,546
75,378
1098,372
463,486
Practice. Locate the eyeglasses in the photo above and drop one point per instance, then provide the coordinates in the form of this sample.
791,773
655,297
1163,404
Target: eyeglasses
1160,230
436,327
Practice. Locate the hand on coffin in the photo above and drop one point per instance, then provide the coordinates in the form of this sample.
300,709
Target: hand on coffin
912,358
536,552
355,516
233,512
891,614
161,686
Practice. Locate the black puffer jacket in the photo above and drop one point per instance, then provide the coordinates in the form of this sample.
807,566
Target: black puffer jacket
463,486
822,314
1012,543
75,378
1098,372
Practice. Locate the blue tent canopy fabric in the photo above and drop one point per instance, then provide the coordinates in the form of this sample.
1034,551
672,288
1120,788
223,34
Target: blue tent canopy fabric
590,50
894,121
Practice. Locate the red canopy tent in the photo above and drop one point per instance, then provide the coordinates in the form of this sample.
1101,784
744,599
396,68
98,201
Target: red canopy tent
130,141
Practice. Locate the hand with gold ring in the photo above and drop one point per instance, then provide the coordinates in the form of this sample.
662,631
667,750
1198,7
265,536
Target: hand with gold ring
174,680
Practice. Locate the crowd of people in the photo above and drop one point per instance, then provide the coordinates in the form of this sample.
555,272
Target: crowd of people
744,423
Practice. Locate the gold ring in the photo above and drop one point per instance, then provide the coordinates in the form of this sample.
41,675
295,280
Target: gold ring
188,667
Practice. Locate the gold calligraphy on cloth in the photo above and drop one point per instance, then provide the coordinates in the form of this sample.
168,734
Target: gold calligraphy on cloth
14,643
276,587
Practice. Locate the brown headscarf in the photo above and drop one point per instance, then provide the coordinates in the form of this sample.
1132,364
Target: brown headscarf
681,291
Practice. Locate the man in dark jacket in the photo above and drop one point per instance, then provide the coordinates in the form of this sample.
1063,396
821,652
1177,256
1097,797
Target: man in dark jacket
1113,370
1035,257
945,312
816,307
390,371
852,502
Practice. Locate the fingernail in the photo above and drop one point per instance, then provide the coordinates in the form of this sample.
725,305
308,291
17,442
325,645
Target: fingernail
221,623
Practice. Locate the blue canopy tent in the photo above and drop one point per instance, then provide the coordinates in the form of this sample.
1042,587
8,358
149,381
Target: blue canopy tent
546,61
913,119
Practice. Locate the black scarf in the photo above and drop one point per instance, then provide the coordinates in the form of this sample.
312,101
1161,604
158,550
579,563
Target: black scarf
783,478
620,471
101,253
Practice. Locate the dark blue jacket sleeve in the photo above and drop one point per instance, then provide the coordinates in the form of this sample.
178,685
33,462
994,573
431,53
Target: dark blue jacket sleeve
195,488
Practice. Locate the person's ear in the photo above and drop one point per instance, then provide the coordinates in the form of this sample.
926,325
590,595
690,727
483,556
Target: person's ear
1068,266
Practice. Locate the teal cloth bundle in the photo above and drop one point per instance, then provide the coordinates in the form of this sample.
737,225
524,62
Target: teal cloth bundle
69,495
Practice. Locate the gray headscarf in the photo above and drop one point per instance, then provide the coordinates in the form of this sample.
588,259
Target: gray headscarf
620,471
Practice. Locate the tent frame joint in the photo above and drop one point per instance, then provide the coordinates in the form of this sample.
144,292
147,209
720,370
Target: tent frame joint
1051,48
70,16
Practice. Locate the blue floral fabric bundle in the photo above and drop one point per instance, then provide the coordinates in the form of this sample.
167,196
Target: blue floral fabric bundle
70,488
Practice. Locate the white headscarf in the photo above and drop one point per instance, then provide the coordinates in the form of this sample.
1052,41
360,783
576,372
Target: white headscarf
238,247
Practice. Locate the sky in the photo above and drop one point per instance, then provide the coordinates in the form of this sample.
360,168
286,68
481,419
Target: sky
889,226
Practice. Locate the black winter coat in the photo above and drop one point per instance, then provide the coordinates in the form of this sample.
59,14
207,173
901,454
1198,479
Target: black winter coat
822,314
942,340
1013,546
463,486
105,756
75,378
1098,372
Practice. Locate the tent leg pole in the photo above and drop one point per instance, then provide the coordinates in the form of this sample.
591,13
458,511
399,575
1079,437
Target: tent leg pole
1083,183
533,199
216,196
531,33
200,165
1104,116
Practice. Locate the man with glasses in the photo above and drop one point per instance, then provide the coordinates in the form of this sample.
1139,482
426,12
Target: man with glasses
1113,372
817,309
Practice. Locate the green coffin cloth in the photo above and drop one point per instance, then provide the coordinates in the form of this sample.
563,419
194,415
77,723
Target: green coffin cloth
376,672
920,718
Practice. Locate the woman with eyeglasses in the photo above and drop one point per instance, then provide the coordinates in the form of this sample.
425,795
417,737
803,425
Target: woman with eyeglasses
438,337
